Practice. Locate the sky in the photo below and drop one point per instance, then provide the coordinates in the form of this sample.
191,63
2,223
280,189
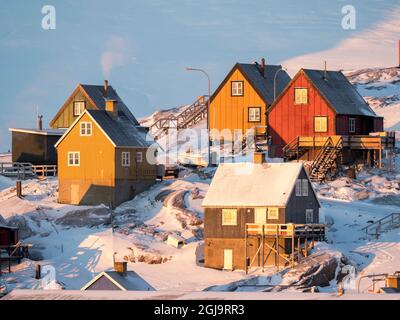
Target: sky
143,47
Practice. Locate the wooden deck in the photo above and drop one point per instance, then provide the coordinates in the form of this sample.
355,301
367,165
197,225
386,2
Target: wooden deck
376,141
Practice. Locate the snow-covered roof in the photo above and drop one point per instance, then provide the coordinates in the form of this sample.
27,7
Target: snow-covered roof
252,185
131,281
45,132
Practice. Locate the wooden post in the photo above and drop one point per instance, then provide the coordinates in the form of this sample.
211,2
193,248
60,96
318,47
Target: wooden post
298,249
19,188
263,239
293,249
38,270
277,246
245,250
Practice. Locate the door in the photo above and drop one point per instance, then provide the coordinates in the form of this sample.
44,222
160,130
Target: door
260,215
75,194
228,259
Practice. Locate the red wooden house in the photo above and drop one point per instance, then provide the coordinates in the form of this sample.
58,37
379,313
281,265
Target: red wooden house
319,103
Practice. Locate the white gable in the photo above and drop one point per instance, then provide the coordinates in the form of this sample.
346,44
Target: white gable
252,185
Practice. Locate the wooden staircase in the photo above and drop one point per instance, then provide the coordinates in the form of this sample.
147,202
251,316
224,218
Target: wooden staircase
257,137
326,160
385,224
192,115
293,150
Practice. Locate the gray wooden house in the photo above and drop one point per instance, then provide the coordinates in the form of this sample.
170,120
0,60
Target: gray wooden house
258,196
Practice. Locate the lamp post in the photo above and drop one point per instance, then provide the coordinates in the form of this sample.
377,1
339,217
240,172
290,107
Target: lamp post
208,109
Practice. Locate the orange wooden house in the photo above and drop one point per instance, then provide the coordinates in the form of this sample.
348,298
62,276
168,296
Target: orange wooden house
104,158
241,100
92,97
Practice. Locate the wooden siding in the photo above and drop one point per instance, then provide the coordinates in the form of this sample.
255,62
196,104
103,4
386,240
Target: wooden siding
214,252
297,206
231,112
94,179
288,120
213,227
66,118
8,236
34,148
363,125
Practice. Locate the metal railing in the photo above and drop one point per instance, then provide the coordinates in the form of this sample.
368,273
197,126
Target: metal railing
385,224
20,170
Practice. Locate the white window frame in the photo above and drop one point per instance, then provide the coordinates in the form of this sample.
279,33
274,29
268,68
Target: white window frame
224,219
139,156
304,187
352,125
309,216
76,155
126,159
318,125
254,114
237,88
298,188
300,95
273,213
81,109
86,129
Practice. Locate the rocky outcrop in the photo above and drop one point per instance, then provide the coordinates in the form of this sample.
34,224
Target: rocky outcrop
89,217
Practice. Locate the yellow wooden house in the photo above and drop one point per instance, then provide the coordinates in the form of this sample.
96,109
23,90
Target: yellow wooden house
104,158
92,97
241,100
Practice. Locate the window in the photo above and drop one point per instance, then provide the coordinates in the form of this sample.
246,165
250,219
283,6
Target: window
86,128
309,216
320,124
300,95
260,215
139,157
304,187
273,213
254,114
126,159
301,187
352,125
237,88
229,217
79,107
74,159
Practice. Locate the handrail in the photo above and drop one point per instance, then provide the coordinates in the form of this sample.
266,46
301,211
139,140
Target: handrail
381,222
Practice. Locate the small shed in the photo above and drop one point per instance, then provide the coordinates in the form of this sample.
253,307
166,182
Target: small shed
8,234
35,146
175,240
118,280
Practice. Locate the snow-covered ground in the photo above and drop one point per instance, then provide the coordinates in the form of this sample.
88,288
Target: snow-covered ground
79,250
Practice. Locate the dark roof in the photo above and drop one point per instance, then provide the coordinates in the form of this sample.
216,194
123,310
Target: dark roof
97,94
121,130
264,85
339,92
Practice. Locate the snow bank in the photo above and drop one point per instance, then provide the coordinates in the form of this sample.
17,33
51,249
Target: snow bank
6,183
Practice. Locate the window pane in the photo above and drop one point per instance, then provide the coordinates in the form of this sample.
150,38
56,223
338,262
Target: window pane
229,217
320,124
273,213
298,187
304,188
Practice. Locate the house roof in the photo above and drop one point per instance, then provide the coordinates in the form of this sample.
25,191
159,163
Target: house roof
96,94
339,92
121,131
132,281
4,224
45,132
263,85
252,185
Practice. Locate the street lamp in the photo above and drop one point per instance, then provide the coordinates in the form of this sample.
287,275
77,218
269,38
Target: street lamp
208,109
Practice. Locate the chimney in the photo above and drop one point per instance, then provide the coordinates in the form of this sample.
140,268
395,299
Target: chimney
325,73
112,107
121,268
40,122
105,88
262,66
